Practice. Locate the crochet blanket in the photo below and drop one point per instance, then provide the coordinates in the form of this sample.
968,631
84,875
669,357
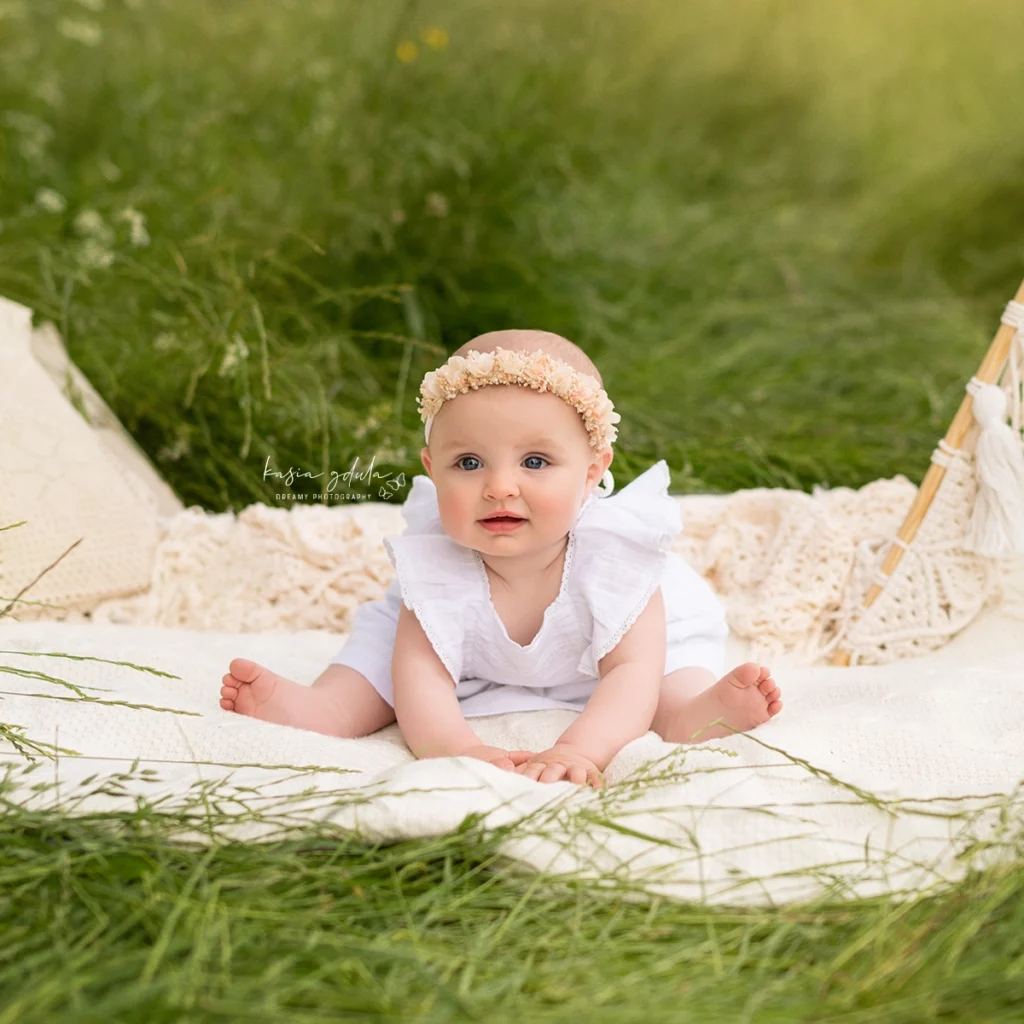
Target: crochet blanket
790,567
875,779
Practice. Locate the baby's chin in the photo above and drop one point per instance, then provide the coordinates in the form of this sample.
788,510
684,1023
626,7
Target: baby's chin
519,543
522,540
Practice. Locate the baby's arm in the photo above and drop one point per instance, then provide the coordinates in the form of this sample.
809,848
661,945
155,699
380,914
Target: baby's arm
426,707
623,704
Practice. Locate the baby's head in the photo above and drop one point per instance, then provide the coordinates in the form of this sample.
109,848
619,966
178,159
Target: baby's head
511,447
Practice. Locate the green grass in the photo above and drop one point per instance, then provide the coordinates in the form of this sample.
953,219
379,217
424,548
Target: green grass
784,231
105,919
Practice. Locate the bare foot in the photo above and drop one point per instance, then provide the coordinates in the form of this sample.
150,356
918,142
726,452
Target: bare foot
253,690
744,698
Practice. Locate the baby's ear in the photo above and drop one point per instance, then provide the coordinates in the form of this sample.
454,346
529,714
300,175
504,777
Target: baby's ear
601,462
425,459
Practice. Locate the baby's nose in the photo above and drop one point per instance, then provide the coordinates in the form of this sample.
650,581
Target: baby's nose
501,484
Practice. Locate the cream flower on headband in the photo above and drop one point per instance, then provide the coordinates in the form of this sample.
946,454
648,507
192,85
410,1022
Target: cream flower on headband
536,370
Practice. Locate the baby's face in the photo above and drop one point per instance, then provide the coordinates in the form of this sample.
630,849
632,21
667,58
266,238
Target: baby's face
512,448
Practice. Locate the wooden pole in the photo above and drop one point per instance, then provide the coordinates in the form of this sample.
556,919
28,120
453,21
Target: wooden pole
989,371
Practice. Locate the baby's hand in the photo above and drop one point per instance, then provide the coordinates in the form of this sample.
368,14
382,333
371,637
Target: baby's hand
562,759
507,759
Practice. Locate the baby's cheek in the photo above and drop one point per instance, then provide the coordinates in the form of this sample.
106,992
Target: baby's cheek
457,515
557,511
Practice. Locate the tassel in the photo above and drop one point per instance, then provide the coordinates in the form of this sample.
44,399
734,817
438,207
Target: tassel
997,523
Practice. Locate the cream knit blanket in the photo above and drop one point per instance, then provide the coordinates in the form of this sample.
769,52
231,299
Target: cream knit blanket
874,779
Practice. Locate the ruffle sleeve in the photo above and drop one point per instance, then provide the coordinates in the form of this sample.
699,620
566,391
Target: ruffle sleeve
435,574
622,547
420,510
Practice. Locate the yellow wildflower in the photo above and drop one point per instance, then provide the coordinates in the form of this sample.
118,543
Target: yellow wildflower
435,38
407,51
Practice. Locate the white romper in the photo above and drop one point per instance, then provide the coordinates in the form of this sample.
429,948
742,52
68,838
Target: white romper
618,553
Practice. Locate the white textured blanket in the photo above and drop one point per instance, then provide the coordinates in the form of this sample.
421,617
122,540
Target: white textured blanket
874,779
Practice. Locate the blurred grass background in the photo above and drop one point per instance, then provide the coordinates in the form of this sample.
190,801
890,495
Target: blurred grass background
784,231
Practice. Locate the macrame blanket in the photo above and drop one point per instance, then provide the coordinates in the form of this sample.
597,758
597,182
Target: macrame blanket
874,779
790,567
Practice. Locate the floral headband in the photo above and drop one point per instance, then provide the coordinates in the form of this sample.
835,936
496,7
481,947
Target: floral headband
536,370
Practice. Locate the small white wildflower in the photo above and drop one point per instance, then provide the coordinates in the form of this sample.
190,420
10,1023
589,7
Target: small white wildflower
109,170
175,451
85,32
165,341
95,254
34,134
228,364
137,223
50,200
48,88
140,236
236,350
27,124
32,148
437,205
88,222
92,225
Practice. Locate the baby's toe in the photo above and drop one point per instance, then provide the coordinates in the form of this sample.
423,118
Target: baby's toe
775,707
243,669
746,674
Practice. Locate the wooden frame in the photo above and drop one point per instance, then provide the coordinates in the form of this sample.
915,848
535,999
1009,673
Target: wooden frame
988,373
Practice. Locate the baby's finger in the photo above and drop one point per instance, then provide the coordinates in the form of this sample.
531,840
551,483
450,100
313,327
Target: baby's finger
553,773
595,778
578,775
519,756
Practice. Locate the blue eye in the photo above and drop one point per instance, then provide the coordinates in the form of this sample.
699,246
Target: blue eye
473,458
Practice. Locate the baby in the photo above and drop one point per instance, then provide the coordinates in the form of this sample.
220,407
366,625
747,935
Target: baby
523,584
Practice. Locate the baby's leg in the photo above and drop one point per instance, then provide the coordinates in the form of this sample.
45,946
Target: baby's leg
340,703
